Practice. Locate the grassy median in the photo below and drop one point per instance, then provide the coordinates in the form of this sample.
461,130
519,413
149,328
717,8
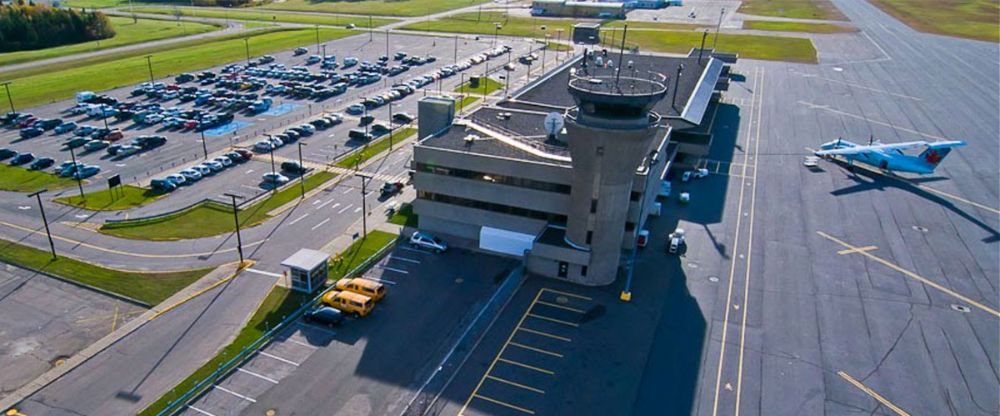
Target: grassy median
770,48
211,218
49,83
268,16
374,7
797,9
775,26
120,198
404,216
18,179
486,24
126,33
374,148
278,305
972,19
149,288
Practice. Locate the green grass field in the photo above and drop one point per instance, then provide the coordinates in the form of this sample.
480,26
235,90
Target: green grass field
512,26
770,48
374,148
18,179
126,197
100,4
359,251
971,19
797,27
151,288
404,216
212,218
797,9
127,33
268,16
486,87
618,24
49,83
375,7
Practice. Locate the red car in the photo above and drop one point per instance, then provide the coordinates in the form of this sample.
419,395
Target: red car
190,124
245,153
27,122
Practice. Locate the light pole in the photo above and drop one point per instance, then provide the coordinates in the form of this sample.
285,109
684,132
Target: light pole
390,126
302,174
246,45
201,129
461,96
6,86
317,38
486,76
387,43
324,51
456,49
651,160
76,173
236,218
104,116
371,36
496,30
149,64
559,41
545,47
718,27
41,208
273,172
364,203
673,98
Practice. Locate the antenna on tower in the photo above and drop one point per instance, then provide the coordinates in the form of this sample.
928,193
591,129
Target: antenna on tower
621,57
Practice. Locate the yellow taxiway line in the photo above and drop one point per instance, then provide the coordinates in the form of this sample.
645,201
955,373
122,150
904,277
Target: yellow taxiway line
872,393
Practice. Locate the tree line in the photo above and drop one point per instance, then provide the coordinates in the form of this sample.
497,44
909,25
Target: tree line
30,26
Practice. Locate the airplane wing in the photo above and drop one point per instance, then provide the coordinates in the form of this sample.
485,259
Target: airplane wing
862,149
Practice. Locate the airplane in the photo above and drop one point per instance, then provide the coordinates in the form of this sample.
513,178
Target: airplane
890,157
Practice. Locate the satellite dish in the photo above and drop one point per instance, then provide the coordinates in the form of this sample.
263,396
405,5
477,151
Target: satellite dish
553,123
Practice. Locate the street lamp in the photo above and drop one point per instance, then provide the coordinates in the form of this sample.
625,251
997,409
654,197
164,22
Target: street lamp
273,172
390,126
317,38
41,208
558,41
496,29
302,174
236,218
364,204
149,64
6,86
545,47
651,160
201,128
76,173
246,45
718,27
461,88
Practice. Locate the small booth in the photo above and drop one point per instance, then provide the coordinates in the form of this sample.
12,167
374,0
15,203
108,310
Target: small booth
307,270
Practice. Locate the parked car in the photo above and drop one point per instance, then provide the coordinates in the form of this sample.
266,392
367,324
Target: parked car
27,133
42,163
128,150
203,170
176,179
86,171
301,51
403,117
390,188
94,145
149,142
22,158
349,302
162,185
293,167
76,142
370,288
67,168
325,315
275,178
247,155
224,161
356,109
65,127
425,240
6,153
191,175
214,166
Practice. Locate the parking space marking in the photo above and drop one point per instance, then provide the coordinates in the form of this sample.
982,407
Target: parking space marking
335,206
412,249
872,393
404,259
265,273
558,321
318,328
395,269
503,403
515,384
321,223
262,377
375,279
199,410
538,350
345,209
297,342
528,366
358,209
544,334
298,219
565,308
268,355
249,399
856,250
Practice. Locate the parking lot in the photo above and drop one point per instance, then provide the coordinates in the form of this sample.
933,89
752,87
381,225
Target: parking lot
374,362
45,321
184,146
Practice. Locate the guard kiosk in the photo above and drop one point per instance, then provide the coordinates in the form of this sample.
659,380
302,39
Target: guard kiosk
307,270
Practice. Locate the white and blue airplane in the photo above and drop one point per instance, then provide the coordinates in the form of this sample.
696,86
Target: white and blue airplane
890,157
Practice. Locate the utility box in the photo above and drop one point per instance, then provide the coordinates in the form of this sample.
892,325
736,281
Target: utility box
307,270
587,33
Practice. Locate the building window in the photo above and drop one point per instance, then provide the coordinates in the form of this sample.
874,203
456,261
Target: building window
593,206
583,271
494,178
489,206
635,196
590,236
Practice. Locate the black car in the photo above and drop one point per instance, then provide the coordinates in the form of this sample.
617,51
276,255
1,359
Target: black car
292,133
42,163
22,158
9,117
292,167
6,153
320,123
359,134
403,118
324,315
31,132
366,119
379,128
149,142
235,157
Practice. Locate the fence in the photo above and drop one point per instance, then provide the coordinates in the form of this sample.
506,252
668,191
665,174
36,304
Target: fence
176,405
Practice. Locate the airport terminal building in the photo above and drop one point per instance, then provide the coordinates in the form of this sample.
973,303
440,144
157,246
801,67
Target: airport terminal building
564,172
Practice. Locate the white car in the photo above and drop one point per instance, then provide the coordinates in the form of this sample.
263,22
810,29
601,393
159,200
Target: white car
225,161
275,142
191,174
263,146
676,240
203,170
309,128
694,174
275,178
127,150
214,166
428,241
176,179
152,119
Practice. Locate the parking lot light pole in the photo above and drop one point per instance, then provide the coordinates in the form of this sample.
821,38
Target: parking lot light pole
390,126
387,43
545,47
651,160
371,36
364,204
104,116
558,41
496,30
461,88
456,49
246,45
317,38
718,27
6,86
201,128
76,171
149,64
302,174
236,217
41,208
324,51
273,173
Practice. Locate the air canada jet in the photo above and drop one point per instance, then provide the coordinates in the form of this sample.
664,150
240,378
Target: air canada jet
890,157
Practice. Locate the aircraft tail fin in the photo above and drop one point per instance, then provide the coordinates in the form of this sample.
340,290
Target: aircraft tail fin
936,152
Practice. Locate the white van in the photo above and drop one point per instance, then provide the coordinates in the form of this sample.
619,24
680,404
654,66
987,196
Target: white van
83,96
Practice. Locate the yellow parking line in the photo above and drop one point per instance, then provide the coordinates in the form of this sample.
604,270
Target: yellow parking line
503,403
566,308
872,393
912,275
544,334
573,295
535,349
558,321
515,384
523,365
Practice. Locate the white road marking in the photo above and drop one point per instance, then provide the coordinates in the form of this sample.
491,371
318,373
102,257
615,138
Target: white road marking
347,191
335,206
81,215
358,209
404,259
265,273
262,377
278,358
321,223
298,219
378,280
412,249
324,204
249,399
24,207
869,120
345,208
317,201
199,410
249,171
395,269
295,341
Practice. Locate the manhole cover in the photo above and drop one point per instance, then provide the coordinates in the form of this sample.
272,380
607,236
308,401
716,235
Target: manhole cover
960,308
713,279
459,280
270,412
562,300
919,228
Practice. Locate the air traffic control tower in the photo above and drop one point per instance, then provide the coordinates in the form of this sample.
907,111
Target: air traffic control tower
610,132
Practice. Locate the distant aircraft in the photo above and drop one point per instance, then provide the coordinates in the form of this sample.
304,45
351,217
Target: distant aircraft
890,157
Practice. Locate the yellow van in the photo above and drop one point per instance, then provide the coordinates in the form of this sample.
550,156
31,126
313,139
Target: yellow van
349,302
370,288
